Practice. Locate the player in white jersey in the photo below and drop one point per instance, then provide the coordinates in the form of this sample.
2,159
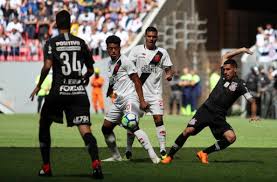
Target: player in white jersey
125,84
151,61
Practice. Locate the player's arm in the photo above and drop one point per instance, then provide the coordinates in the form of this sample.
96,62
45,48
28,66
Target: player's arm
89,64
169,73
48,61
44,72
252,100
231,54
138,86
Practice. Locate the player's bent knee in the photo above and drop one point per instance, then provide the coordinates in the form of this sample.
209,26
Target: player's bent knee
231,138
189,131
106,130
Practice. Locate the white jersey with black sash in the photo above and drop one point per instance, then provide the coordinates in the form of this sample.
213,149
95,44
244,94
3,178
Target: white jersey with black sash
121,83
150,65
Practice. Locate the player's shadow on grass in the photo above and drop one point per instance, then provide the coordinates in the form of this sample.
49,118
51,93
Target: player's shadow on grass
75,175
238,161
141,160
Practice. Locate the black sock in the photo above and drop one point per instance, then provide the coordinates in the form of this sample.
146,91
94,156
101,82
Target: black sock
45,140
90,142
179,142
219,145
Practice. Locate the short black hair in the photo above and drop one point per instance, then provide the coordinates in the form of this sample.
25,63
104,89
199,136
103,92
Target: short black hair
113,39
231,62
63,20
151,29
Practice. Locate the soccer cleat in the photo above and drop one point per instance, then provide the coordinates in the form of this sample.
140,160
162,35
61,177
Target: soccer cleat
128,155
203,157
167,160
163,154
97,170
45,170
113,159
156,160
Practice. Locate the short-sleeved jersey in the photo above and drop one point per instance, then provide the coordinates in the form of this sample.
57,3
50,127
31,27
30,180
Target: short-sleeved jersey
123,86
226,93
68,54
141,56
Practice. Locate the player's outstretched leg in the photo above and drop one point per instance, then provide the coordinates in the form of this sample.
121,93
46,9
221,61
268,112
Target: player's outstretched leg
145,142
219,145
45,142
179,142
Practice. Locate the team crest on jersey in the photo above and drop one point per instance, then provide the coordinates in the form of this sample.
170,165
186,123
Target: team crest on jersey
157,58
233,86
192,121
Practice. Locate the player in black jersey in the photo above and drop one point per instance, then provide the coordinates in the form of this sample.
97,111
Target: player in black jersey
66,55
213,112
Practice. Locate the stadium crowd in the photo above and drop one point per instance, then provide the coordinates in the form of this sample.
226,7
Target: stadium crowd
25,25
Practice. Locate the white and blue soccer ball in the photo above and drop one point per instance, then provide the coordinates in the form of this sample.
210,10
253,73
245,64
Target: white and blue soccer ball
129,120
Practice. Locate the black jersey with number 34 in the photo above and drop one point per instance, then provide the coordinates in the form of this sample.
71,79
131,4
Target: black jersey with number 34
68,54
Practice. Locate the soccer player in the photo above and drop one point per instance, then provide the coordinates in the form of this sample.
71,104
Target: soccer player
151,61
66,54
213,112
124,83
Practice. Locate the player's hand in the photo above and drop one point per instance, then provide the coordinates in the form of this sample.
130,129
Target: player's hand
144,105
85,82
169,75
35,92
247,51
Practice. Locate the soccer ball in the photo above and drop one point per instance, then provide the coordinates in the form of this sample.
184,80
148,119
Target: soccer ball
129,121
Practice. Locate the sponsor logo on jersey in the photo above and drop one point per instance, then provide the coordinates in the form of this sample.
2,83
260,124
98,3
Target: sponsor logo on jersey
192,121
233,86
157,58
68,43
226,84
72,88
81,119
149,69
72,81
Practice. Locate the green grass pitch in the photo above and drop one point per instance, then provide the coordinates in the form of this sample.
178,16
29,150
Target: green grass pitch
253,157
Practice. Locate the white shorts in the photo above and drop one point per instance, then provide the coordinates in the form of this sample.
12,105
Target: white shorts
156,105
118,109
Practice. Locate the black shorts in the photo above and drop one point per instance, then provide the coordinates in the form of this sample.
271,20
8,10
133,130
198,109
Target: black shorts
205,117
76,109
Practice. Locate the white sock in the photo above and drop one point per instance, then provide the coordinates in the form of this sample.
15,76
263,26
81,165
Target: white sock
144,141
161,134
110,141
130,141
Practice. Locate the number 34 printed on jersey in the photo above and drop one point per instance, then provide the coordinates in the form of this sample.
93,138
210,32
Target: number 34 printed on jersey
70,66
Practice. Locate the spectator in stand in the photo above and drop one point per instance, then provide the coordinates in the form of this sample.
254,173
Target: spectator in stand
74,26
15,42
135,24
103,36
4,42
114,9
87,16
84,31
15,24
8,12
94,41
43,24
109,23
123,35
73,7
30,22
